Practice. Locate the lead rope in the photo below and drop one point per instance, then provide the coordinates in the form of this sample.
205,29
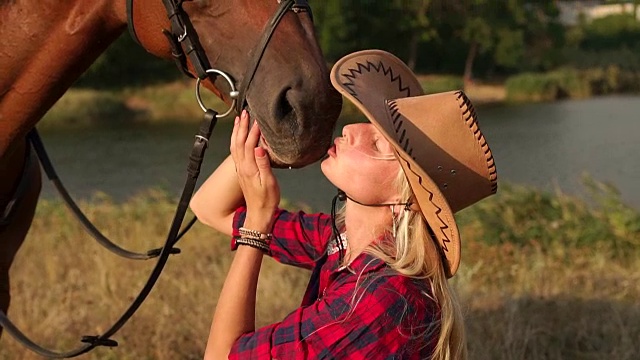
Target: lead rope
92,341
48,167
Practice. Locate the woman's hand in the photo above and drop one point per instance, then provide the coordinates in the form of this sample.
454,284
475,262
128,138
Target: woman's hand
253,167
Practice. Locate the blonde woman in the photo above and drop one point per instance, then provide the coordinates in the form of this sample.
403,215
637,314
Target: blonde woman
380,265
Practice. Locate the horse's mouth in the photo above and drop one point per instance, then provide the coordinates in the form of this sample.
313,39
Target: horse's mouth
276,161
286,150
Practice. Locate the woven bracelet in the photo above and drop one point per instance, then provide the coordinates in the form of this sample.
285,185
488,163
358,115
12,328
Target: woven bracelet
256,244
254,234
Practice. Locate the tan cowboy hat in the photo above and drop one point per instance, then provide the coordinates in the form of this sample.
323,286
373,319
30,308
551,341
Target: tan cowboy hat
436,138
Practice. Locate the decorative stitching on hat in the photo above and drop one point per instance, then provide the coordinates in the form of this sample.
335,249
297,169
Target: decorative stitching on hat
369,67
445,239
469,115
398,122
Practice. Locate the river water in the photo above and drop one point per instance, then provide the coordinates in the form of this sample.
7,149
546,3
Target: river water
548,146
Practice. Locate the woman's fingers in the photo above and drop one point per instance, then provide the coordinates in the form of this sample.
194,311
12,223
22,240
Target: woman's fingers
244,141
252,142
234,135
264,165
253,166
241,136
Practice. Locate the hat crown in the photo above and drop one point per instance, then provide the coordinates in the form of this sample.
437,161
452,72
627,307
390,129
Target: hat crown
440,132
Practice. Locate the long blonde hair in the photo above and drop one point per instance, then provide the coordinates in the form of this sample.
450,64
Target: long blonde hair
414,253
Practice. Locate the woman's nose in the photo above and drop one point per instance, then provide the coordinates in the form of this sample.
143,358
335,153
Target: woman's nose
352,132
347,132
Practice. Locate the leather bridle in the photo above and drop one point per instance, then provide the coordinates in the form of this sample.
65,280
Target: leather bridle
185,45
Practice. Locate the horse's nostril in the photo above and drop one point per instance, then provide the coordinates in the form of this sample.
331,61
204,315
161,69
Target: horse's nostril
283,108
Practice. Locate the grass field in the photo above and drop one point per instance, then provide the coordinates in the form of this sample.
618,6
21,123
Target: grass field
543,276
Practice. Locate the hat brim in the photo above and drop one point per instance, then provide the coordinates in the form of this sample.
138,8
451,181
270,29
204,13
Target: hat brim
369,79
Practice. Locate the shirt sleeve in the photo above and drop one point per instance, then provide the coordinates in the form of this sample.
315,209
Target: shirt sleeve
299,239
380,319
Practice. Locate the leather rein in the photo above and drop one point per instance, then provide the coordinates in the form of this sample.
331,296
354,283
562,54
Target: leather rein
185,45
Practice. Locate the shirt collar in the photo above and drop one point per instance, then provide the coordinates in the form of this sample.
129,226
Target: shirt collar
362,264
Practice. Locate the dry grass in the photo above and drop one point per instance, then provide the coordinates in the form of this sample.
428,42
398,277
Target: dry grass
558,304
521,302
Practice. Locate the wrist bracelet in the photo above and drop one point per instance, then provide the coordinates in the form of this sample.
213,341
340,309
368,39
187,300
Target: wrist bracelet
256,244
254,234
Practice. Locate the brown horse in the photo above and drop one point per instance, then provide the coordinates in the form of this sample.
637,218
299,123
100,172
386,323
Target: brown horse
47,45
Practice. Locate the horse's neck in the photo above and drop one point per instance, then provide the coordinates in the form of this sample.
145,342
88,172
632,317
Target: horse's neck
47,45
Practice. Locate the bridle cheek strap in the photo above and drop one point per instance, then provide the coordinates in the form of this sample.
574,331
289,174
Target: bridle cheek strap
182,31
184,42
258,51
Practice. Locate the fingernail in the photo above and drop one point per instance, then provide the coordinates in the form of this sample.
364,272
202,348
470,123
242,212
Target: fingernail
255,122
244,113
236,120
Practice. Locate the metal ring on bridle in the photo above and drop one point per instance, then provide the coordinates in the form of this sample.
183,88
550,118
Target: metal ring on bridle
233,94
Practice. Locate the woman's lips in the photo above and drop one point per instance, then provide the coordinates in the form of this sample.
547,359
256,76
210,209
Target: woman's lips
332,151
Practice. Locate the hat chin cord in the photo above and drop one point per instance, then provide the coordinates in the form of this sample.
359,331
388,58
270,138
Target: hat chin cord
342,196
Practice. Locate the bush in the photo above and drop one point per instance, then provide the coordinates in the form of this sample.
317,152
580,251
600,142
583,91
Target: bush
612,80
523,216
531,87
85,107
612,32
570,84
621,57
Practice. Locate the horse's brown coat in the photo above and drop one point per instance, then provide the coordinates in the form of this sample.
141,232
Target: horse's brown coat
47,45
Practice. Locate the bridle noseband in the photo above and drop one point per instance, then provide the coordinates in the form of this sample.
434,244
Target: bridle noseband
184,43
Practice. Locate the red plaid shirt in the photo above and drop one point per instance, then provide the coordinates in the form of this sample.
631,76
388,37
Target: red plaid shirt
393,317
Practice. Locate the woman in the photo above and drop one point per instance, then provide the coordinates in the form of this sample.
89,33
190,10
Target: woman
379,287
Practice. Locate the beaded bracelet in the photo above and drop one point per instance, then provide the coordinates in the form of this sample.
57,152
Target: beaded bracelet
256,244
254,234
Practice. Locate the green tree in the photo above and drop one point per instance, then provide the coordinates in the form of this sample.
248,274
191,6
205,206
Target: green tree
478,34
347,26
331,28
419,26
515,34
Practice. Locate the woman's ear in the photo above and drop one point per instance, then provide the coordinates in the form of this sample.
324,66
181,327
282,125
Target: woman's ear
413,204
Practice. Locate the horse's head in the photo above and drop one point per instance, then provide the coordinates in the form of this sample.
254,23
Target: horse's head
290,94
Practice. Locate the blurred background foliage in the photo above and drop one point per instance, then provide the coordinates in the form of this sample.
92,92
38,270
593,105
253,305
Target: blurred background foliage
545,275
469,39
